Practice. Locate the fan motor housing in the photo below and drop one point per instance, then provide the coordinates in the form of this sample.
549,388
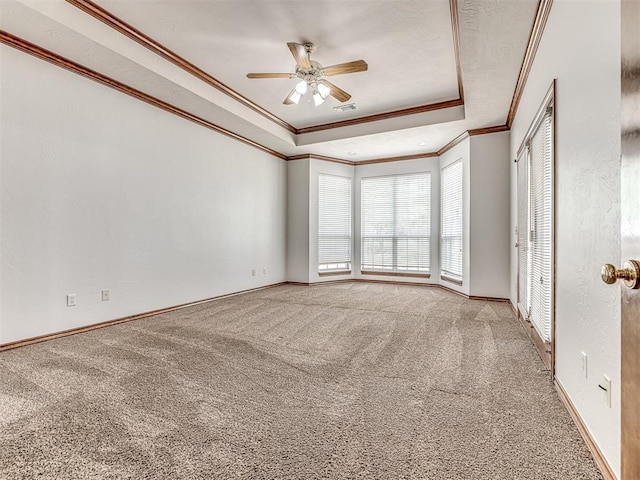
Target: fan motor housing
310,75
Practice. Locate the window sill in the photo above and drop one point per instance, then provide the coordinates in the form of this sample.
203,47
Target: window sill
396,274
337,272
451,280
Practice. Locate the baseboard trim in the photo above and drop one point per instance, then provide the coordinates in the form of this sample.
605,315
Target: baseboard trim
452,290
334,274
513,308
395,282
323,282
488,299
108,323
543,348
400,282
129,318
471,297
599,458
395,274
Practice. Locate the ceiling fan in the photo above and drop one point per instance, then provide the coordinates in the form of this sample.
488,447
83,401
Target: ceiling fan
311,75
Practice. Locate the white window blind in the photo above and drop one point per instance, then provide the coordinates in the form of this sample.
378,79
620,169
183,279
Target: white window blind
396,223
334,223
451,225
523,233
535,227
541,225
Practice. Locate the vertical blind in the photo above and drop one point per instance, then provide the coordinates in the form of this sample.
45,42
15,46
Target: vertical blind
451,224
334,223
396,223
535,228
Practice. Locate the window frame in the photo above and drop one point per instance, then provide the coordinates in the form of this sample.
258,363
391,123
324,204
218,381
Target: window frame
340,268
546,347
395,269
447,276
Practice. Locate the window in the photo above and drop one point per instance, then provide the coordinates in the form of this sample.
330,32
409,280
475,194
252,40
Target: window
396,223
334,223
535,225
451,228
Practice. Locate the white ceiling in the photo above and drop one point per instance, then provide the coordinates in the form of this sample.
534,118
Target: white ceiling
408,45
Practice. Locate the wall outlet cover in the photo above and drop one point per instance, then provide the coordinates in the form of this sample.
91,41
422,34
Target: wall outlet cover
71,300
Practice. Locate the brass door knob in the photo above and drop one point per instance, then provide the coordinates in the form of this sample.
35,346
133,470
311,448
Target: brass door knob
629,274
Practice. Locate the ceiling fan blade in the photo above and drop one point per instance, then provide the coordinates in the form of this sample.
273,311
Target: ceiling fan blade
299,54
342,68
336,92
288,101
270,75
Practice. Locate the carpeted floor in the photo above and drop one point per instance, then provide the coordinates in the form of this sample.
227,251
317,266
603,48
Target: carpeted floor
342,381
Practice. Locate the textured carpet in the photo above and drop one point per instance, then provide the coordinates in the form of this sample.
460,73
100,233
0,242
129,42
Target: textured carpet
342,381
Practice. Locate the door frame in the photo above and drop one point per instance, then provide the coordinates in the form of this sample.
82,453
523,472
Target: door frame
546,350
630,239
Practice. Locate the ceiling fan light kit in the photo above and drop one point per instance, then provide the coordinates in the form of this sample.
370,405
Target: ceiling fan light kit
311,76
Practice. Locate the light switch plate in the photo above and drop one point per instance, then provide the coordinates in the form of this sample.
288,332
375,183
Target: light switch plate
71,300
606,387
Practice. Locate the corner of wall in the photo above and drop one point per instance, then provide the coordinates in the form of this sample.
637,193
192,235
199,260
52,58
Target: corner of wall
298,221
489,262
462,151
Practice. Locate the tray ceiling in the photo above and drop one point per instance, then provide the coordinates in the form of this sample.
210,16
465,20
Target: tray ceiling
409,46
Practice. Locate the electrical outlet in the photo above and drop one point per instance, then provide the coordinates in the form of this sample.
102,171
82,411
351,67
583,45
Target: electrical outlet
606,387
264,270
253,272
105,295
71,300
585,371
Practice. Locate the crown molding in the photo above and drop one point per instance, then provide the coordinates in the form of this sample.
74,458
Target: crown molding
453,142
471,133
401,158
137,36
485,130
55,59
309,156
109,19
415,156
455,29
305,156
382,116
537,29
